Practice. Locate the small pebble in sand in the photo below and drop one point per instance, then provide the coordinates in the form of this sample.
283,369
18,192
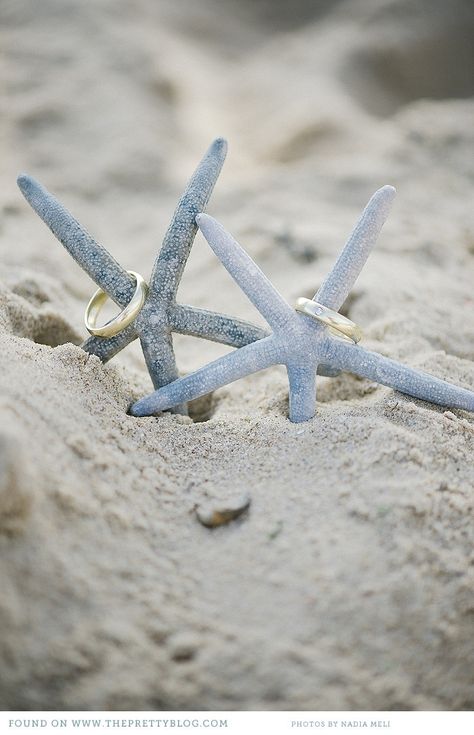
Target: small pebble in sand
218,513
184,645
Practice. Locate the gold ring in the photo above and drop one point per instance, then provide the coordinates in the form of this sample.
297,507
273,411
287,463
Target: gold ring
339,325
122,320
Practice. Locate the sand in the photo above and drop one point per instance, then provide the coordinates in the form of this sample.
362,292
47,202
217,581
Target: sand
348,583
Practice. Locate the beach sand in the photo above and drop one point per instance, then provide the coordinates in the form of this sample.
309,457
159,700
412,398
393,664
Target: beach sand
348,583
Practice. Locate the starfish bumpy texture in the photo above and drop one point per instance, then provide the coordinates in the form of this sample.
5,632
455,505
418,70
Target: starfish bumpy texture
160,315
297,341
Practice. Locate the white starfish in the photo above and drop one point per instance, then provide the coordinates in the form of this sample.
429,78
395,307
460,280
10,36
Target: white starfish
298,341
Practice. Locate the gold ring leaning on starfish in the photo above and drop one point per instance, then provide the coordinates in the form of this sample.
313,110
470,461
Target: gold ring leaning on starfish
122,320
339,325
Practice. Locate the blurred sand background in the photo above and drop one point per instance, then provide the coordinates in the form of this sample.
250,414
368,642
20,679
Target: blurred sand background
349,583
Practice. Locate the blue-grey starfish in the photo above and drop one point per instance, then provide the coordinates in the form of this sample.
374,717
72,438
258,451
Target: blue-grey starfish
297,341
160,315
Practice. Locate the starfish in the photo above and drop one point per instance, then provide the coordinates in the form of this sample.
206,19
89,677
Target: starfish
298,341
161,314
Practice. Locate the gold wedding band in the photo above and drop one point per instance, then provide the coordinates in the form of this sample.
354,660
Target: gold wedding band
122,320
339,325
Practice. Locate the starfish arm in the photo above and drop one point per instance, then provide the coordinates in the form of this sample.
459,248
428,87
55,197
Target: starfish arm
407,380
224,370
335,288
157,346
105,349
91,256
246,273
215,327
302,393
177,243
